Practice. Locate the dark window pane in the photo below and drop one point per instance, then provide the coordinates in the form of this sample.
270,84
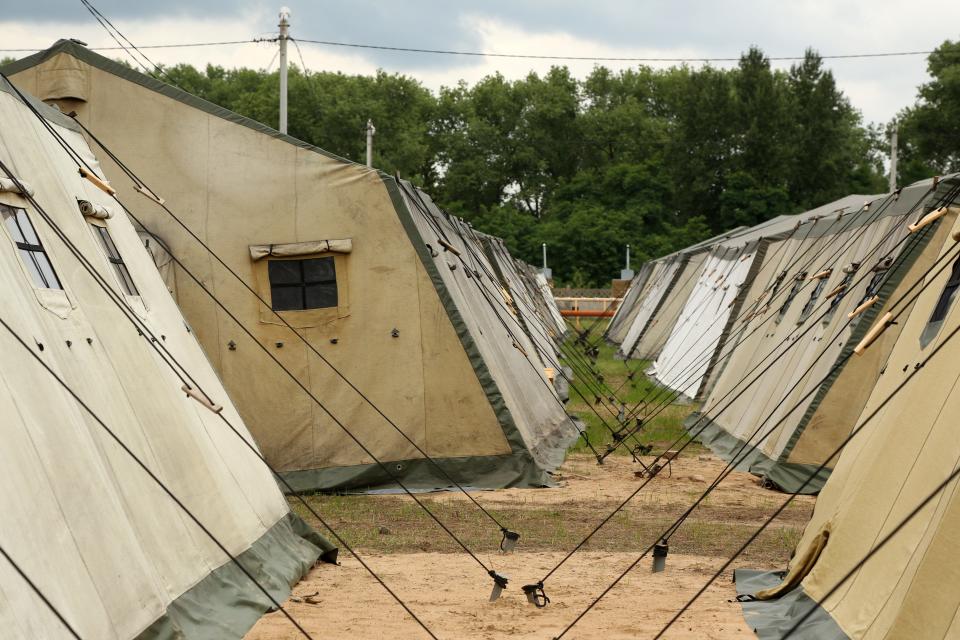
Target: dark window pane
320,296
949,292
287,298
319,270
125,279
285,272
302,284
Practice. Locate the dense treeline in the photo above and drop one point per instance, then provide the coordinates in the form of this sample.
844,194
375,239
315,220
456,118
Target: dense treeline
657,159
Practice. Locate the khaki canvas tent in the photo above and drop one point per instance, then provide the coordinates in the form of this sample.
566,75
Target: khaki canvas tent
907,446
334,250
787,373
104,544
713,310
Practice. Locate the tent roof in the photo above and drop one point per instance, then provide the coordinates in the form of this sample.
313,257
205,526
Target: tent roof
80,52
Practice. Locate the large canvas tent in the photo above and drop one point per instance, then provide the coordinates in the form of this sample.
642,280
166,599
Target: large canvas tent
335,251
670,283
905,447
109,549
712,312
788,373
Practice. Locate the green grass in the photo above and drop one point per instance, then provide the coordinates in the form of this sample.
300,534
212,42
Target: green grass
661,431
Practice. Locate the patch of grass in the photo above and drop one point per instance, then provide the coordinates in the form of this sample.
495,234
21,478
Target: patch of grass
393,524
626,381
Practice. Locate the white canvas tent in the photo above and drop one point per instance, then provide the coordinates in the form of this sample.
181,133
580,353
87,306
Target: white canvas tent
108,548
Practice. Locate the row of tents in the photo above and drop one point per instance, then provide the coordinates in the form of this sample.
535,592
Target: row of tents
816,351
194,301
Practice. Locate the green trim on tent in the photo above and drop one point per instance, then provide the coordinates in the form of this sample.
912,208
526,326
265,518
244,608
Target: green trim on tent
509,470
772,619
788,477
530,473
226,604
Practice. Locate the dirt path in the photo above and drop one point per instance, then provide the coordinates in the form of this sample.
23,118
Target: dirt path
449,591
450,595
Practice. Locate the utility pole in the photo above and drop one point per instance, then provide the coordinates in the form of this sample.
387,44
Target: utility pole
893,157
284,32
370,131
546,270
627,274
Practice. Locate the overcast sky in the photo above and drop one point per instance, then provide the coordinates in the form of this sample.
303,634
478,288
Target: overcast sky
879,87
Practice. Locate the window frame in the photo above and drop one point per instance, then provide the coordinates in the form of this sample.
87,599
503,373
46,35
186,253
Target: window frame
798,282
9,212
115,258
943,305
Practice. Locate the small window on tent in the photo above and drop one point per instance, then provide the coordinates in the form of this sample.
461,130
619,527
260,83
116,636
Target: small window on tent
29,247
841,291
942,308
797,285
296,285
814,296
116,260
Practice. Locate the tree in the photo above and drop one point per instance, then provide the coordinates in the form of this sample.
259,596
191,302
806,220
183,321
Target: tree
929,139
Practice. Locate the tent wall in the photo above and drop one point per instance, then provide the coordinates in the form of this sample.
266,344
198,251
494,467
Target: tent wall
514,372
650,343
108,548
907,589
236,184
793,376
627,311
662,278
688,353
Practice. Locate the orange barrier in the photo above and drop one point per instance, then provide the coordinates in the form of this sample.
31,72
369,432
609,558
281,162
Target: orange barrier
586,313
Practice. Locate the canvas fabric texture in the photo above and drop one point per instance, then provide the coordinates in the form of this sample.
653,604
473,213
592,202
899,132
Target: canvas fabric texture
97,535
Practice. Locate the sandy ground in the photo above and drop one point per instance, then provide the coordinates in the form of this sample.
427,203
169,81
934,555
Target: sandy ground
450,592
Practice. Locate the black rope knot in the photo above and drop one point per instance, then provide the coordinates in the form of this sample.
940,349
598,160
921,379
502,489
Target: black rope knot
536,595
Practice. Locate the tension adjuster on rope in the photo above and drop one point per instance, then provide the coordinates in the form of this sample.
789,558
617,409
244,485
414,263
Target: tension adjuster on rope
746,597
509,540
200,397
660,551
536,595
499,584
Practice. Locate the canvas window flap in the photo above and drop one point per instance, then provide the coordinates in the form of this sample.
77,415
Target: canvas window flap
259,251
7,185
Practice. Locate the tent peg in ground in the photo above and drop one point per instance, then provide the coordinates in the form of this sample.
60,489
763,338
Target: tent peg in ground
499,584
509,541
660,552
536,595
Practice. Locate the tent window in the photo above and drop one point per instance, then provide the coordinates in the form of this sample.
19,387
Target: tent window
943,306
296,285
123,274
797,285
31,251
812,302
835,302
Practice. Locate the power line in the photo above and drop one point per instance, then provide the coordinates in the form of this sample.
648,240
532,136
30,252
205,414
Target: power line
491,54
